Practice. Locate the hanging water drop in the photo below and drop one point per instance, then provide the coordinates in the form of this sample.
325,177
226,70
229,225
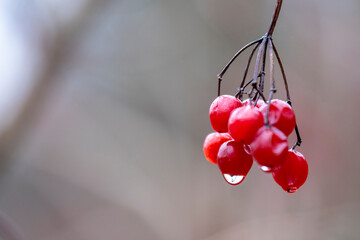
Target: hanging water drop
266,169
292,190
233,179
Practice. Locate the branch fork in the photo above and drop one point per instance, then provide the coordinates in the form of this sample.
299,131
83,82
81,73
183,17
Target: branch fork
258,80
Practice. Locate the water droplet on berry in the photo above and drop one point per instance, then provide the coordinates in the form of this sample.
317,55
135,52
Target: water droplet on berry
265,169
247,149
233,179
292,190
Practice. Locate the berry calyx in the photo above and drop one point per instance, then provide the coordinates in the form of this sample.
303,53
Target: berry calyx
220,110
244,123
234,163
269,148
292,174
280,116
212,144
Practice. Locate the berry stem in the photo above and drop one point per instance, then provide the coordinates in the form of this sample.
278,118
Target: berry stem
262,73
258,94
288,100
242,87
299,140
282,71
264,42
240,91
272,79
271,57
221,74
274,18
257,65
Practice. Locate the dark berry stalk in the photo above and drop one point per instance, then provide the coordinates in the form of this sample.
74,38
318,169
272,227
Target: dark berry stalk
262,45
221,74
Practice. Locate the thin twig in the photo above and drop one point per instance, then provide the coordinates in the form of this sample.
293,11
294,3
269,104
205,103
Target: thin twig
263,42
271,57
298,137
240,91
256,69
258,92
282,71
288,100
299,140
247,69
221,74
274,18
272,80
262,76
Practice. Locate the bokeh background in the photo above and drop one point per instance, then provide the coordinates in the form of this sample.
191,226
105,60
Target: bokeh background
104,109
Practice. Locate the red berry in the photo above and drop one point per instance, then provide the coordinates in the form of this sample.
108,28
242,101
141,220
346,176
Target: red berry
259,103
244,122
269,148
293,173
234,162
281,116
212,144
220,110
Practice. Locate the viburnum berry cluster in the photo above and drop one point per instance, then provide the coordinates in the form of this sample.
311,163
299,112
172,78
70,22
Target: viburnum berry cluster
256,128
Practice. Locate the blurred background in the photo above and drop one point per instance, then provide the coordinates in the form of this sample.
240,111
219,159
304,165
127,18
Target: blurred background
104,109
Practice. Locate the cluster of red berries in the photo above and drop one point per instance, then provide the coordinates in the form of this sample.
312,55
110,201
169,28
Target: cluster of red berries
246,130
